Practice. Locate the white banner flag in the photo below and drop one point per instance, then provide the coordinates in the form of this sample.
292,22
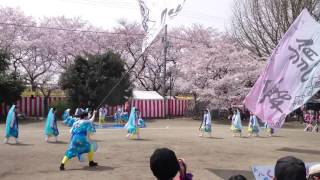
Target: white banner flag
267,172
155,15
292,75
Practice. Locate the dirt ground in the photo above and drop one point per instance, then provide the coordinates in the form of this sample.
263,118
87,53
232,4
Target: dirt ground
119,158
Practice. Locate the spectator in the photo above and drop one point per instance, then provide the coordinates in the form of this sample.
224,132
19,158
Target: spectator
314,172
237,177
164,164
183,173
290,168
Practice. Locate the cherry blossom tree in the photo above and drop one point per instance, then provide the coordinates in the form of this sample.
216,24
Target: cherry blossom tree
146,69
13,26
214,67
64,36
200,60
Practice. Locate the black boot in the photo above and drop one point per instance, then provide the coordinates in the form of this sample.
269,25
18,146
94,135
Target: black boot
62,167
93,164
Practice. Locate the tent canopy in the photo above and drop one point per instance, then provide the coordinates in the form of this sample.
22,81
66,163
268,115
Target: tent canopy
147,95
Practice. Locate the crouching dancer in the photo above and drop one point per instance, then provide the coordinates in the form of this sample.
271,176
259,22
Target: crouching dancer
80,140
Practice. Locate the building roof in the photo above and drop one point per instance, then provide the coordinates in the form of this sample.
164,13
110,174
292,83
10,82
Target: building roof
150,95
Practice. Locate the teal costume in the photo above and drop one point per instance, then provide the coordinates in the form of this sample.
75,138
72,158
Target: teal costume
66,114
132,124
120,116
80,143
253,124
67,119
141,123
12,127
268,128
236,125
51,128
206,122
139,120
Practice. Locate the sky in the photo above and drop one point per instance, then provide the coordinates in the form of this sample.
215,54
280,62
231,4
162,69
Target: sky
106,13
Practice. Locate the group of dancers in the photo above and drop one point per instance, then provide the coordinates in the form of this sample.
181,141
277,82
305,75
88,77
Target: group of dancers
82,129
12,126
236,125
121,116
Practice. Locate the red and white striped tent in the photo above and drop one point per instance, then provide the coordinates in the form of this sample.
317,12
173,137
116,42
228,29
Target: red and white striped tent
149,103
30,106
152,105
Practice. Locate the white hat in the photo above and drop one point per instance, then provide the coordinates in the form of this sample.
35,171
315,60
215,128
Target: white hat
314,169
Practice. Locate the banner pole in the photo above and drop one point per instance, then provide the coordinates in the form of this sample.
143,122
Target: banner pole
165,42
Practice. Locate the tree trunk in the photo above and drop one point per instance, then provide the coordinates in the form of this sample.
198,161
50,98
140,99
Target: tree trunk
46,101
45,105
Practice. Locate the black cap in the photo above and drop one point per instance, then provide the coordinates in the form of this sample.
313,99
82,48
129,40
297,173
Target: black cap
164,164
290,168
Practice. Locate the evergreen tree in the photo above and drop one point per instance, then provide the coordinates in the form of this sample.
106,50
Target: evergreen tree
91,78
11,85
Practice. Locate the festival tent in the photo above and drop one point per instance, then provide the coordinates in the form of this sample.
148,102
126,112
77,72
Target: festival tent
152,105
146,95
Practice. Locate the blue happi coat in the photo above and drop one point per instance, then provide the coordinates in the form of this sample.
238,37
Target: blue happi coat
12,127
80,142
51,128
254,124
236,122
132,124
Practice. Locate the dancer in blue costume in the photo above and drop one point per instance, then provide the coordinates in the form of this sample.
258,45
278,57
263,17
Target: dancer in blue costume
206,124
117,116
12,126
236,125
67,119
132,124
121,117
80,140
268,129
253,127
65,114
141,123
51,128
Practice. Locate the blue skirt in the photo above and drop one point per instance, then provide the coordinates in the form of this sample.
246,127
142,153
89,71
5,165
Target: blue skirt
53,131
13,132
206,128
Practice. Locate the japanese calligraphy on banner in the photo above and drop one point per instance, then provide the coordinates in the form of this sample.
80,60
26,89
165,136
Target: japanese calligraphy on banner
155,14
267,172
292,74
